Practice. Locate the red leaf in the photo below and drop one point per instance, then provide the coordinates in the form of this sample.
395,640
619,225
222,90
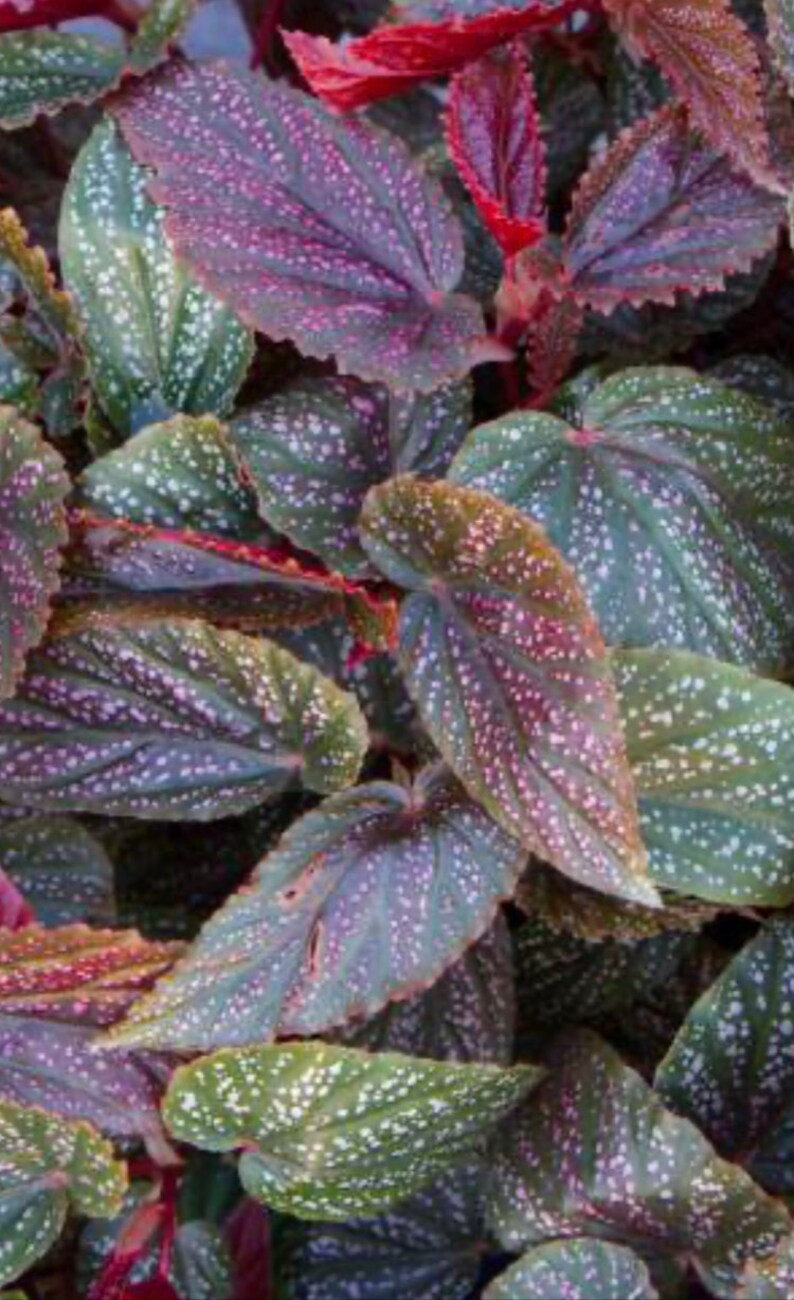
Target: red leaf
17,17
392,58
493,133
248,1236
708,55
15,913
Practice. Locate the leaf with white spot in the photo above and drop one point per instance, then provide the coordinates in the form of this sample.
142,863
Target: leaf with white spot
76,975
507,666
157,343
330,1132
33,487
669,496
182,473
780,22
315,228
366,899
712,752
731,1067
48,1166
43,71
661,212
162,23
313,452
427,1248
172,721
771,1278
578,1270
63,870
594,1153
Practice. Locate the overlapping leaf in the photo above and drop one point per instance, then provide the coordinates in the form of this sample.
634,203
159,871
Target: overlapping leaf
710,748
316,229
579,1270
63,870
707,53
493,135
505,661
366,899
393,58
331,1132
313,451
659,213
33,488
172,721
157,343
668,494
46,1166
771,1278
595,1153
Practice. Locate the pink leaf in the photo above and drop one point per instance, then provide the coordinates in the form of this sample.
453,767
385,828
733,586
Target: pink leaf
393,58
493,133
15,913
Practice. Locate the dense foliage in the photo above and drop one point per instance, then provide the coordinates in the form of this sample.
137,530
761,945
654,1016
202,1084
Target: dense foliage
396,629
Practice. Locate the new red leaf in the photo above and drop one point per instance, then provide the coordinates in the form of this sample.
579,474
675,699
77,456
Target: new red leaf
393,58
493,133
314,229
708,55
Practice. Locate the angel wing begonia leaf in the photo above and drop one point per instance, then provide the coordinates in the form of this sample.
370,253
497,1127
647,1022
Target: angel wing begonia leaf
711,751
667,492
366,899
507,666
172,721
395,57
771,1278
156,342
332,1132
493,135
316,229
705,50
77,975
660,213
63,869
577,1269
33,488
43,71
313,452
595,1153
48,1165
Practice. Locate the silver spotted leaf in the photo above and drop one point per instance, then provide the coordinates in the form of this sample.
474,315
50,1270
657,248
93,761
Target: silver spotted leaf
660,211
157,343
595,1153
61,868
47,1166
507,666
429,1248
331,1132
33,488
668,495
182,473
730,1068
313,451
366,899
314,228
580,1269
172,721
712,752
43,71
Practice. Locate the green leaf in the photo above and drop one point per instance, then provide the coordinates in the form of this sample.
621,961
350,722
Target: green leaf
46,1166
182,473
42,71
712,752
172,721
62,870
33,488
160,26
426,1248
578,1270
510,674
367,899
669,497
156,342
595,1153
330,1132
731,1067
771,1278
313,451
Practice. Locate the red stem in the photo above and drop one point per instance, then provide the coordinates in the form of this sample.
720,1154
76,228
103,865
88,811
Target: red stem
263,54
